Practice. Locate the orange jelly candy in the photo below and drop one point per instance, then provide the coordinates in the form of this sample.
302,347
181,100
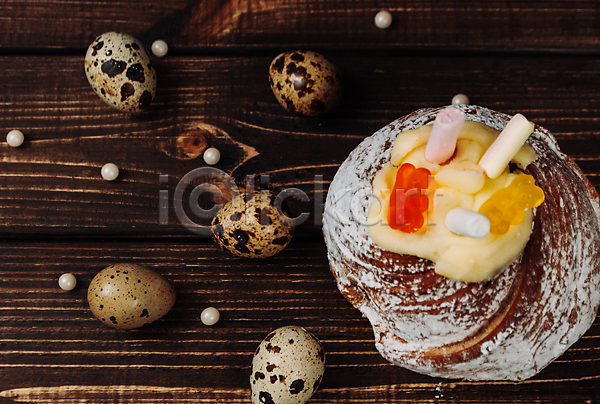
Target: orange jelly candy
408,200
507,206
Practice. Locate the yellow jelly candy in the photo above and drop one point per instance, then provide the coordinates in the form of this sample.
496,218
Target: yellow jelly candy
507,206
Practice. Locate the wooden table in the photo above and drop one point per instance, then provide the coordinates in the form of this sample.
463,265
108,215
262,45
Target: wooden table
540,58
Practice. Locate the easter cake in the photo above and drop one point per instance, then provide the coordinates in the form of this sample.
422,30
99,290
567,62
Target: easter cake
489,269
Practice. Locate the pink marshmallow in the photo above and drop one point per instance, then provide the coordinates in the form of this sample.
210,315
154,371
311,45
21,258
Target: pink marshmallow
444,134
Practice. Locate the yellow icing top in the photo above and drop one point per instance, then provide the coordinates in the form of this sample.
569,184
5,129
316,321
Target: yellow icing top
460,183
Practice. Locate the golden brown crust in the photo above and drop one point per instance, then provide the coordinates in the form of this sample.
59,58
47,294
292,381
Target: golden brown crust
508,328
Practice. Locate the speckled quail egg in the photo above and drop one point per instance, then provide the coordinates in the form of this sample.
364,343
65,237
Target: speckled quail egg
128,296
252,226
305,83
287,367
120,71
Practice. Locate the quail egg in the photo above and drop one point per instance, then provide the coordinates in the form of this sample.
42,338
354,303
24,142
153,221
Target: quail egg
128,296
252,225
287,367
120,71
305,83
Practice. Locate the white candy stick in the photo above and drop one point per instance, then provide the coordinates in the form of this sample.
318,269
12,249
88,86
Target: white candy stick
467,223
506,146
444,134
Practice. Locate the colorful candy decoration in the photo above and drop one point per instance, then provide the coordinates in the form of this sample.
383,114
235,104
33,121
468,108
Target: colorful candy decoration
506,146
465,222
507,206
444,134
407,201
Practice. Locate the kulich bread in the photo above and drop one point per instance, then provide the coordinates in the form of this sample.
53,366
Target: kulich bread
508,328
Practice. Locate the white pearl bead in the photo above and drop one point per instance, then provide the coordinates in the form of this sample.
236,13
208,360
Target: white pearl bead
383,19
15,138
110,172
210,316
212,156
67,282
160,48
460,99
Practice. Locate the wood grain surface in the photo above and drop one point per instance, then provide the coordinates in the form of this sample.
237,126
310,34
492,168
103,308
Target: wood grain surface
446,24
58,215
53,180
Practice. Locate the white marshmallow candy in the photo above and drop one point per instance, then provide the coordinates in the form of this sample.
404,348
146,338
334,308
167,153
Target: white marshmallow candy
505,147
468,223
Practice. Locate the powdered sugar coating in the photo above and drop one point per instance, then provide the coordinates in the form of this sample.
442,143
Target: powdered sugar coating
508,328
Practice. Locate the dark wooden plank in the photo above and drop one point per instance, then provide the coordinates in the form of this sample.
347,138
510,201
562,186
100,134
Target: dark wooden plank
213,89
540,24
52,348
52,184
